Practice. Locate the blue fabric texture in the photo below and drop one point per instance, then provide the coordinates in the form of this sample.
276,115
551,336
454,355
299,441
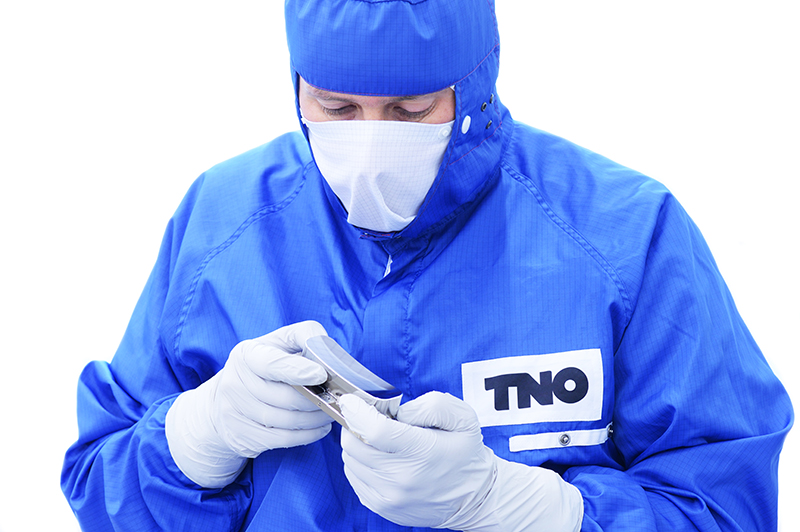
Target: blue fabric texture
389,47
525,245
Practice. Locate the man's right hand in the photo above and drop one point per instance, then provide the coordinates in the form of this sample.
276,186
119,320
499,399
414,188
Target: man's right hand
248,407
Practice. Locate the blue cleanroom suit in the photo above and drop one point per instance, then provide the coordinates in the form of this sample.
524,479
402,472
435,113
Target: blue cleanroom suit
569,300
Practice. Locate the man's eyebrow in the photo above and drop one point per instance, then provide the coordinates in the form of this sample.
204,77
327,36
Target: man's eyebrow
322,94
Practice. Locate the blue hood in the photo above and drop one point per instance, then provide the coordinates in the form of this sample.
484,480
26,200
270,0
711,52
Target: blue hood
407,47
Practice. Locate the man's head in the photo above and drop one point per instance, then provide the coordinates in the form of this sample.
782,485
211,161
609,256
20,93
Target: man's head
397,99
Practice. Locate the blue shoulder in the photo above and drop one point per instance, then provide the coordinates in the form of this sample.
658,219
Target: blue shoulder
262,176
227,194
611,210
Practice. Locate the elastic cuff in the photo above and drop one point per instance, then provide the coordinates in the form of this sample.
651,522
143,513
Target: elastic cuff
529,498
575,505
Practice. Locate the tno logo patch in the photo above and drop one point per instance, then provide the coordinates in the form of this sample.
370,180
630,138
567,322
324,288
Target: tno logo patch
534,388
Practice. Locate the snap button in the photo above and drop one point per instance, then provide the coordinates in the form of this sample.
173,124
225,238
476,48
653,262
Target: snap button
465,124
484,106
445,132
491,98
489,124
564,439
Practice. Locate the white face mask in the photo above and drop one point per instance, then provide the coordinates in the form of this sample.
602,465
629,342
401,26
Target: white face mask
380,170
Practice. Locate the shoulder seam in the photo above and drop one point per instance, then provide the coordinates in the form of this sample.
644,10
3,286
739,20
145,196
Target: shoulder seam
253,218
573,233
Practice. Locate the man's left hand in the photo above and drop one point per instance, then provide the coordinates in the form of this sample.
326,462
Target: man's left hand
430,468
421,469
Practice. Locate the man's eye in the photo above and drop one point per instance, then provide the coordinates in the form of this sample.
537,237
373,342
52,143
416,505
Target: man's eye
412,115
340,111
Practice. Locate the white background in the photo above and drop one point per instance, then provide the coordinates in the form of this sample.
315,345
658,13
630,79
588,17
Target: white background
109,110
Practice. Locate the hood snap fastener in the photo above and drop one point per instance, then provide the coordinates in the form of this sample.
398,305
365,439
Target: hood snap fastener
465,124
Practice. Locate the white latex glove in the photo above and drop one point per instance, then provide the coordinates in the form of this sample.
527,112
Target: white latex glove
430,468
248,407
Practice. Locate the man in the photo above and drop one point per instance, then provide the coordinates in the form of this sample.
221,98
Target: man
569,355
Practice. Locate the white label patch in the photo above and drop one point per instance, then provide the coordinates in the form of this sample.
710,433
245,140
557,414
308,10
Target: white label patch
534,388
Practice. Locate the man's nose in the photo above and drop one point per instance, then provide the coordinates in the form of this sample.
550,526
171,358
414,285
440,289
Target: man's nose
373,113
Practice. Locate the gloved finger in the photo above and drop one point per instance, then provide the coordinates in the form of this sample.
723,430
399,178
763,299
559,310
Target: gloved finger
440,411
270,416
364,458
377,430
277,394
271,363
247,439
292,338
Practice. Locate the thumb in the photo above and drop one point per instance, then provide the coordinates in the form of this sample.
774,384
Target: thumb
439,411
371,426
